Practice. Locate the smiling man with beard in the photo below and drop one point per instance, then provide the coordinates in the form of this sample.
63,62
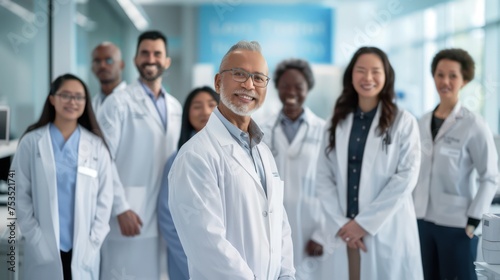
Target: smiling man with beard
226,198
107,66
141,126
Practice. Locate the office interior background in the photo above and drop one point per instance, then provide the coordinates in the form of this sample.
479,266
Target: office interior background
37,44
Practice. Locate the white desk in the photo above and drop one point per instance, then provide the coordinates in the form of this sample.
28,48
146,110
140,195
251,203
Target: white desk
7,150
492,271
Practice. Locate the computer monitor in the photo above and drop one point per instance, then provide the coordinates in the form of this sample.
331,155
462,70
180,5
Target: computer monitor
4,124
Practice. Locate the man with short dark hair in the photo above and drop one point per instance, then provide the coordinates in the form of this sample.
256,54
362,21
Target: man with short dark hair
141,125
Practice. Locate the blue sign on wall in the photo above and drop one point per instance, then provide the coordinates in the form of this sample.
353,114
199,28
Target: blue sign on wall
284,31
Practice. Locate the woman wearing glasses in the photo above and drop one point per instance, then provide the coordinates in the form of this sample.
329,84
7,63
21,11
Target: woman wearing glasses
449,198
64,186
294,135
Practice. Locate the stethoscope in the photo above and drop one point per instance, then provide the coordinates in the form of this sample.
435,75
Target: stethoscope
387,140
274,150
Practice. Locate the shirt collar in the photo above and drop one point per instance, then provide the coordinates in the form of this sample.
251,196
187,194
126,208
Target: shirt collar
150,93
58,139
255,131
287,121
368,115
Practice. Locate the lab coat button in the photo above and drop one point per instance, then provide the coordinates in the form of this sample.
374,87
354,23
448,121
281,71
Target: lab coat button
264,213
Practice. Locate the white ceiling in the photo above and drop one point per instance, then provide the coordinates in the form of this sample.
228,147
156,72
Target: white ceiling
235,2
409,6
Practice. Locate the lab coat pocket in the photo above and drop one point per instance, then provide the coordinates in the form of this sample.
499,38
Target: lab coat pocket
41,252
453,204
90,256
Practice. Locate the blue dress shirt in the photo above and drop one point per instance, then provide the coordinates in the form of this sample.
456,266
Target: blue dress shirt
66,162
160,104
290,127
176,258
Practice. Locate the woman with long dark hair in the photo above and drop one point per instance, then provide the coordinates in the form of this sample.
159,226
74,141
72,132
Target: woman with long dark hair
367,170
64,186
197,108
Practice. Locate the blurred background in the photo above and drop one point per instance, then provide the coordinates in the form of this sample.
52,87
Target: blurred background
37,44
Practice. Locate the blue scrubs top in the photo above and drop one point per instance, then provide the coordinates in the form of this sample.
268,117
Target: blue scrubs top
66,161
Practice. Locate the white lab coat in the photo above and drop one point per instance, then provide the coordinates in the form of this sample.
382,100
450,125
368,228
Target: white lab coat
386,211
37,207
227,225
139,146
99,98
296,163
446,193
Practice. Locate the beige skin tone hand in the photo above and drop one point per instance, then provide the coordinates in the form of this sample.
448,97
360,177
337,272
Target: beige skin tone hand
352,233
314,249
130,223
469,230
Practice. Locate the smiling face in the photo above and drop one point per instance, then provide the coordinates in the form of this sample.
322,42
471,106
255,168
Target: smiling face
368,77
151,59
241,98
292,89
72,109
200,109
448,80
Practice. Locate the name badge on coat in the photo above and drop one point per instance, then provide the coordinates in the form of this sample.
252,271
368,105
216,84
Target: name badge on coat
450,152
87,171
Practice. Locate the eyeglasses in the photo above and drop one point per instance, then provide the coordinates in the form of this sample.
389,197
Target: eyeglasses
68,97
108,61
241,76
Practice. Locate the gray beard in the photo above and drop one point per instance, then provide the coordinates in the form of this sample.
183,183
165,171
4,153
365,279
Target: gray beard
240,111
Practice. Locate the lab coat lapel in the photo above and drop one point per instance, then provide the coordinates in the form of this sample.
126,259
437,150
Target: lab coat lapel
299,139
48,162
265,156
232,148
450,121
82,181
342,133
146,104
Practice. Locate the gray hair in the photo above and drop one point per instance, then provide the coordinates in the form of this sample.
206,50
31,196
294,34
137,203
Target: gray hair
242,45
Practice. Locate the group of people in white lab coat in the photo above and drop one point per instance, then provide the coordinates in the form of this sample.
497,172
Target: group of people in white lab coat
371,194
85,194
